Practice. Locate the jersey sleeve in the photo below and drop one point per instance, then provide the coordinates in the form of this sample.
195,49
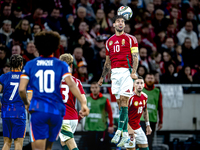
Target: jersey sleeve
80,86
133,44
107,49
65,70
26,71
29,90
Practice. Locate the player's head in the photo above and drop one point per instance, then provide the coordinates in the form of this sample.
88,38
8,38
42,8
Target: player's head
16,62
119,23
68,58
94,88
47,42
139,84
149,79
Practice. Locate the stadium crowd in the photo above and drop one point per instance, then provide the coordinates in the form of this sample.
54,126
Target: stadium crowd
167,31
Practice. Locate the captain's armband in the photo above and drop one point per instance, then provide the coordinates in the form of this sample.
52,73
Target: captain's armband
134,50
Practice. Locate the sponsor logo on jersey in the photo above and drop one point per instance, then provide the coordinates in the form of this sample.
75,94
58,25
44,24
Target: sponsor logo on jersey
140,103
110,43
144,102
117,42
136,103
123,42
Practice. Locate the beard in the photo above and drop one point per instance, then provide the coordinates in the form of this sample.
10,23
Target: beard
119,30
149,84
143,58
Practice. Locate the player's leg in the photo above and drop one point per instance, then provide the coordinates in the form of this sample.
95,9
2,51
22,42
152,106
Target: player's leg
18,132
7,126
39,130
18,142
7,143
66,134
141,139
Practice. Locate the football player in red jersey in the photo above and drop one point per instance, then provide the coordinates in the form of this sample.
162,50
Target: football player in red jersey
70,120
137,107
122,60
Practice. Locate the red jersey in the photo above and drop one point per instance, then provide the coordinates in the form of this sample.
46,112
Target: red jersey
135,109
119,49
70,100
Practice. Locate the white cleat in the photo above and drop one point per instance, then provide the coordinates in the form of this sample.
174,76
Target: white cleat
116,137
123,141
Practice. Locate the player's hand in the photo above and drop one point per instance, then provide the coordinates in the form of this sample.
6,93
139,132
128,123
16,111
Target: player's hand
84,110
148,130
81,114
110,130
100,81
134,76
160,126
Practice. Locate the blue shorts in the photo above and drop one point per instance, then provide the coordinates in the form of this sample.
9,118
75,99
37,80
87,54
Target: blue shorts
45,126
14,128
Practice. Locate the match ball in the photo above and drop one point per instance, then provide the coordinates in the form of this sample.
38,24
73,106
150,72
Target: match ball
125,11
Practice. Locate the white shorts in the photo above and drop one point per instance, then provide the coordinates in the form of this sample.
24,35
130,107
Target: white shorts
140,138
122,83
67,130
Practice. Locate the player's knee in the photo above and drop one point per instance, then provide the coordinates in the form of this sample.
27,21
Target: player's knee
124,101
8,142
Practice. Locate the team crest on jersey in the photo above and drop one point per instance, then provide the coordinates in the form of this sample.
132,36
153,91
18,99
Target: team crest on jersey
130,144
110,43
136,103
144,102
123,42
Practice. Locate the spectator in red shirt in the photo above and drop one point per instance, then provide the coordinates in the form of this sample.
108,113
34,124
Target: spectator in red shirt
82,73
31,52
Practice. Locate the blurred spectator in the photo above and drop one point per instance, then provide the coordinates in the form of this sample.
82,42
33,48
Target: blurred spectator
196,76
16,49
98,4
150,10
127,28
31,52
69,30
155,108
96,122
155,62
159,22
36,18
167,59
190,17
109,17
142,71
83,29
36,29
187,31
95,31
157,77
139,39
115,5
184,76
172,31
188,52
78,57
159,39
81,16
169,46
6,12
5,69
88,52
175,18
144,58
6,30
98,44
53,21
179,58
170,75
23,29
101,19
17,16
96,67
89,11
159,5
71,8
64,43
3,58
82,73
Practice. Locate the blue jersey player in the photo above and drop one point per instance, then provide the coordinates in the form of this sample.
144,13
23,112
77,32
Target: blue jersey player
13,108
44,75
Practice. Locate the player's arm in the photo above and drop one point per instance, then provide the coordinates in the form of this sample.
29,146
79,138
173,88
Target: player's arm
75,91
106,69
22,90
146,118
1,87
134,52
80,112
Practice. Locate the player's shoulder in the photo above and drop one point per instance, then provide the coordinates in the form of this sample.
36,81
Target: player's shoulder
133,96
76,80
145,95
131,36
110,39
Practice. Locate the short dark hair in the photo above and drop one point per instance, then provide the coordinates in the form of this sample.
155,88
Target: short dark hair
47,42
94,82
7,65
140,77
117,17
16,61
149,73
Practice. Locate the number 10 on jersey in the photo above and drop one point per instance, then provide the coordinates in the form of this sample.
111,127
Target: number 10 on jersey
116,48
